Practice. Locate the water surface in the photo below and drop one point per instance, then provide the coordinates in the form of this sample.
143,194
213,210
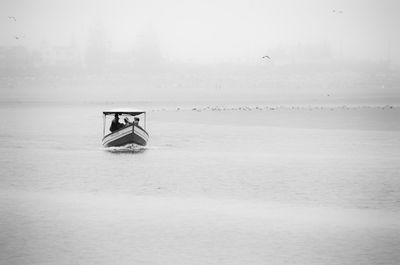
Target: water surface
252,185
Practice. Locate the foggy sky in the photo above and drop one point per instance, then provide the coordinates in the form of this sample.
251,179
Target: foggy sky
209,30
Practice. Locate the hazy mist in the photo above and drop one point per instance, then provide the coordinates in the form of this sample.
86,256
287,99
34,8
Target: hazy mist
198,50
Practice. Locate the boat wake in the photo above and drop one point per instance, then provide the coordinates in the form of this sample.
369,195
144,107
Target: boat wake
129,148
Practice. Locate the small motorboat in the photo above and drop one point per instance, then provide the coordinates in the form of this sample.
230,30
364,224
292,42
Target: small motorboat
130,132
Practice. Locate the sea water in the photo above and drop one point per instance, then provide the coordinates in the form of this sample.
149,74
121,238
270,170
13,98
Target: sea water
215,185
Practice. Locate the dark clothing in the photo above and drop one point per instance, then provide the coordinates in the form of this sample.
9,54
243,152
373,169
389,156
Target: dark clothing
115,125
136,123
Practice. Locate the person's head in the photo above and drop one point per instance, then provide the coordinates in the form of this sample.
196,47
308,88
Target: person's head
116,116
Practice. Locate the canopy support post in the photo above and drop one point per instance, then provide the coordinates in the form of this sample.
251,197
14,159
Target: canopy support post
104,124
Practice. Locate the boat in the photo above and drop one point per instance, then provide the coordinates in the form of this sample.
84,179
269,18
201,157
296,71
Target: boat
124,134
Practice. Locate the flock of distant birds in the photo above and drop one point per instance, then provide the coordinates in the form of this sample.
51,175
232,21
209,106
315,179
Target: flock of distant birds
280,107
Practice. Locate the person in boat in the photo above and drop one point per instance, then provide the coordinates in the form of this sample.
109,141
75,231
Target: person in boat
127,122
136,122
115,124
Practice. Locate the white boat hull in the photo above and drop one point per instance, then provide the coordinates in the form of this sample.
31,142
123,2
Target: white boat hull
128,135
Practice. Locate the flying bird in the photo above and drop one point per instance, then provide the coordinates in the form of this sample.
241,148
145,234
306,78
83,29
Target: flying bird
16,37
266,56
13,18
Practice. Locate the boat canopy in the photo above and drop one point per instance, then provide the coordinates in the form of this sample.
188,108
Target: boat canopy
132,112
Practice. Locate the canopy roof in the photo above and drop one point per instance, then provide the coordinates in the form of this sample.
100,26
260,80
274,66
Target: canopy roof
132,112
